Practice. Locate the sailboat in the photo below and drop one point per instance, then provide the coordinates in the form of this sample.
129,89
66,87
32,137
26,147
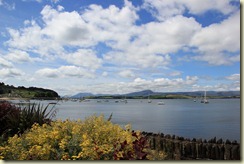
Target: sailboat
124,100
148,100
205,101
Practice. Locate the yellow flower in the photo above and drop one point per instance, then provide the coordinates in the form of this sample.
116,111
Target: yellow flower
92,139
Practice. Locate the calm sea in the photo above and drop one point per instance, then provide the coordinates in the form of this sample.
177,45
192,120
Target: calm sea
182,117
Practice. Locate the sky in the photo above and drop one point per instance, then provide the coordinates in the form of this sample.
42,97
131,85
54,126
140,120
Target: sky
120,46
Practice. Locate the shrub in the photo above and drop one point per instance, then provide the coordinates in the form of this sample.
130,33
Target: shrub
7,109
91,139
16,120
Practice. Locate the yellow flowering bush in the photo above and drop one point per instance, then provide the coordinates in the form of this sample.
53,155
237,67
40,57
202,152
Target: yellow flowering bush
92,139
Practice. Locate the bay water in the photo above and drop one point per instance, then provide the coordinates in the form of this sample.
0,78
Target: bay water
220,118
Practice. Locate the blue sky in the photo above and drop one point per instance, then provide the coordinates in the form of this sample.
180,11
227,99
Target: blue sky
120,46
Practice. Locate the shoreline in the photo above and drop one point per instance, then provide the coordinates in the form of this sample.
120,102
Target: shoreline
12,98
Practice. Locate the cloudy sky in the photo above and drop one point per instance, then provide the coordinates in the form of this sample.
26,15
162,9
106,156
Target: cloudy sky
120,46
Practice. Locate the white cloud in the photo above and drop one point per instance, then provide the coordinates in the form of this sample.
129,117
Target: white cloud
66,28
84,58
217,87
19,56
55,1
5,63
214,41
74,39
169,8
73,71
153,42
175,73
220,37
105,74
141,60
48,72
145,46
10,72
31,39
167,37
159,84
189,83
223,6
234,77
111,17
60,8
7,5
63,72
127,74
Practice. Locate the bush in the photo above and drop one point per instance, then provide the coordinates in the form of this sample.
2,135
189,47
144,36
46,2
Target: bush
6,109
92,139
17,120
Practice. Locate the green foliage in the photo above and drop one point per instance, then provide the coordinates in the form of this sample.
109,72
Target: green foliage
31,92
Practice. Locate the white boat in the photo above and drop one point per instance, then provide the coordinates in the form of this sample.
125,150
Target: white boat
205,100
148,100
124,100
160,103
85,100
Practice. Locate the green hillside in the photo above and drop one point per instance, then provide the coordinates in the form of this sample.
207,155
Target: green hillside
22,92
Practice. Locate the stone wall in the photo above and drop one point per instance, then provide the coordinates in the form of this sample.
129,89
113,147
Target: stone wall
179,148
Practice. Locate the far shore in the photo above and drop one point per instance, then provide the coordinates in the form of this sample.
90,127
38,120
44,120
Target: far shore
12,98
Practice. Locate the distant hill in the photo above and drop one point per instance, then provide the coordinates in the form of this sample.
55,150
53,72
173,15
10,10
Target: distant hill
192,94
141,93
81,95
146,93
23,92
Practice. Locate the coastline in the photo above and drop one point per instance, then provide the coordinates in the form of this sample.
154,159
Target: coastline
12,98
